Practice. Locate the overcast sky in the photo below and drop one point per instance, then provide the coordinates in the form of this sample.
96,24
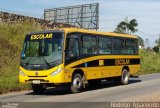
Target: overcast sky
146,12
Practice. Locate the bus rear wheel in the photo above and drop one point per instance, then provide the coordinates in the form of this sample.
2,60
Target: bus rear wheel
77,83
38,89
123,79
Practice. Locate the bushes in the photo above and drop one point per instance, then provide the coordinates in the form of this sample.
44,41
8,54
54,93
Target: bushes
150,62
11,40
156,49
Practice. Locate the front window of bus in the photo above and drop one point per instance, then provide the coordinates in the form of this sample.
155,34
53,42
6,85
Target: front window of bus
44,50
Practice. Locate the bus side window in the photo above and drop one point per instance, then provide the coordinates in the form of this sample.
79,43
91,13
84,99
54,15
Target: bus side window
131,46
118,46
105,45
89,45
115,46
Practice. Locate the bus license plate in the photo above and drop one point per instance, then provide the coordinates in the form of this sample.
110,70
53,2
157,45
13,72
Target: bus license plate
36,81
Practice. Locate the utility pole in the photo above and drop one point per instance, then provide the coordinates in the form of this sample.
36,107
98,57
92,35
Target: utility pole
158,41
147,43
127,22
126,19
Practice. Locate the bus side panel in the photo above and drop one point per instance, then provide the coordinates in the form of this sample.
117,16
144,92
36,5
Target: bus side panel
92,73
102,66
68,74
110,71
134,69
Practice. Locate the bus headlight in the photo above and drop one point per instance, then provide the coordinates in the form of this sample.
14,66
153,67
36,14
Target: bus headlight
56,71
22,73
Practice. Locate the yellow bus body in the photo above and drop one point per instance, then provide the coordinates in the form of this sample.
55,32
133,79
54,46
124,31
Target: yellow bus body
96,72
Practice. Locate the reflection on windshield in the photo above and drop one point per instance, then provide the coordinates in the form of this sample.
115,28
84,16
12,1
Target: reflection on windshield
42,51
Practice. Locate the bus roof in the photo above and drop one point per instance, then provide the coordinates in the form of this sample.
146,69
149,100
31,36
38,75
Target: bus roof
72,30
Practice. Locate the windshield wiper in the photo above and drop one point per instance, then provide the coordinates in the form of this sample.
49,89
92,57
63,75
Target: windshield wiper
45,61
55,61
27,63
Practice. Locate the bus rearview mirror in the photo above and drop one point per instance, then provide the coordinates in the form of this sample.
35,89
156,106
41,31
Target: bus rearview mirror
23,55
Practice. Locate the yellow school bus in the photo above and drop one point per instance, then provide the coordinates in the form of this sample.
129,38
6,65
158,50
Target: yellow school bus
75,57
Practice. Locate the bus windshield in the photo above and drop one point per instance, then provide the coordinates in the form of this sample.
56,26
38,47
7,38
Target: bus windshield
44,48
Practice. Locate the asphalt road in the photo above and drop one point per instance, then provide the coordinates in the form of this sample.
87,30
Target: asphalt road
91,97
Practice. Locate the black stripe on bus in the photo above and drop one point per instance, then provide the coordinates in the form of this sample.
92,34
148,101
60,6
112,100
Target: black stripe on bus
107,62
111,62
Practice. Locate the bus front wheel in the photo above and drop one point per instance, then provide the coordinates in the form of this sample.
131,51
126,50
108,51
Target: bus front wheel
38,89
77,83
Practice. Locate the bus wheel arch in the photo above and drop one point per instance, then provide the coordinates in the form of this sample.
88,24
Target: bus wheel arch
80,71
126,67
77,83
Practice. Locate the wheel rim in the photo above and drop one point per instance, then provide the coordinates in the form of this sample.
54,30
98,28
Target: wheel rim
125,76
77,82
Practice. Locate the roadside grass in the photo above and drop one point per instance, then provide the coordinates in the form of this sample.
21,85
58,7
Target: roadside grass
11,40
150,62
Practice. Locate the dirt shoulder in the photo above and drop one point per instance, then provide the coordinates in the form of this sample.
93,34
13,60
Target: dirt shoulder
150,97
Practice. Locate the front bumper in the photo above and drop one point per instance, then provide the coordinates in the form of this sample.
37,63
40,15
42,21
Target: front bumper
42,76
49,79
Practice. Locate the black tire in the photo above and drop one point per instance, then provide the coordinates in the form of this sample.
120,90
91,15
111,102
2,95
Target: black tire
77,83
38,89
94,83
123,79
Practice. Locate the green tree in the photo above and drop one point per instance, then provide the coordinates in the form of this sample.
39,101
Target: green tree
156,49
126,27
158,41
140,41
